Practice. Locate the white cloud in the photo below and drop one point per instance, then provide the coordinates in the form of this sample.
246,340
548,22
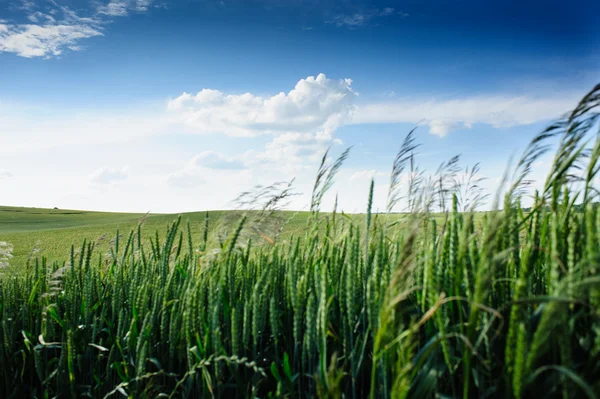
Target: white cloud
50,33
286,156
121,8
108,175
115,8
215,160
293,151
40,17
441,127
314,104
142,5
48,40
443,116
302,121
27,5
5,174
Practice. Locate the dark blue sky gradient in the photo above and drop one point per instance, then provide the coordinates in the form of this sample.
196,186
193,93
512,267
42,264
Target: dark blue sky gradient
443,46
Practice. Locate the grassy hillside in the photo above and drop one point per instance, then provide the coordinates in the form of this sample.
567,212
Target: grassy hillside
51,232
37,232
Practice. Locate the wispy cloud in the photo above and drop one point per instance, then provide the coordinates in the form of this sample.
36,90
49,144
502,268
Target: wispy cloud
441,127
386,11
185,178
352,21
107,175
48,40
121,8
115,8
216,160
26,5
142,5
358,19
39,17
209,166
54,28
444,116
5,174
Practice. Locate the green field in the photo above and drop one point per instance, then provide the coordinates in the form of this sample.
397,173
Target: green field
37,232
54,231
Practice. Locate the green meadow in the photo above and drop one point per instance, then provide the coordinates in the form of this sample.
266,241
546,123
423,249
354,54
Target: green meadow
50,233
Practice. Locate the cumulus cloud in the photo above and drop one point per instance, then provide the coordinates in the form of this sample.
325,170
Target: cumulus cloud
285,155
314,104
5,174
109,175
292,150
303,121
444,116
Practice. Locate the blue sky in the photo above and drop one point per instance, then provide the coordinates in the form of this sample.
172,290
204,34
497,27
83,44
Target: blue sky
168,106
